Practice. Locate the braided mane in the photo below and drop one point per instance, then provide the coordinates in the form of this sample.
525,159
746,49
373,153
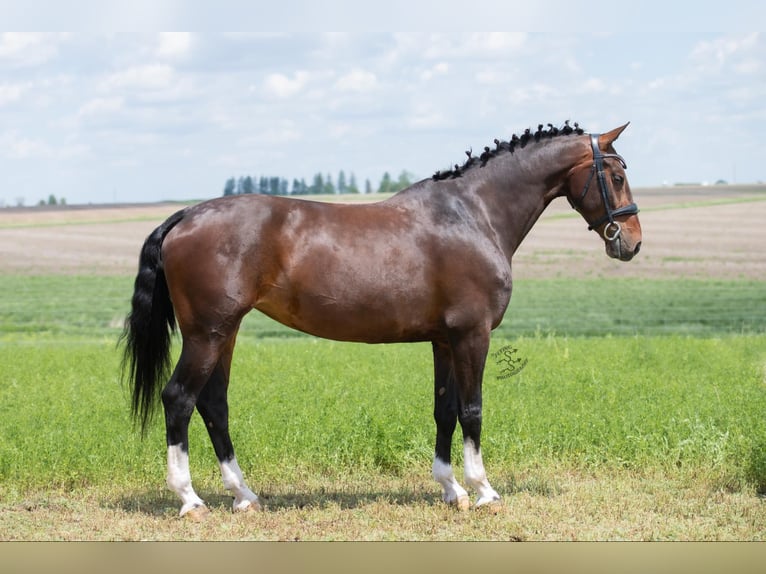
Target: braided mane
509,147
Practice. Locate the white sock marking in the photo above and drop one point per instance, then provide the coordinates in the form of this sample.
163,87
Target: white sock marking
442,472
475,475
179,478
235,482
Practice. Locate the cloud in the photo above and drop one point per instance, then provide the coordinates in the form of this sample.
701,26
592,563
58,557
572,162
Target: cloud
439,69
357,80
21,49
148,77
475,45
150,83
174,44
722,50
280,86
16,146
101,106
10,93
425,117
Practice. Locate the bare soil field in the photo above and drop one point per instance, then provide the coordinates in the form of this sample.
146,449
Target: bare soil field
700,232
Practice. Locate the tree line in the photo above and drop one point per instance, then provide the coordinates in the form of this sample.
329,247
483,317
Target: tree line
320,184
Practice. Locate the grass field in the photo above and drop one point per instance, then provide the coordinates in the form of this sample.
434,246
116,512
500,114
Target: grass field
639,414
326,429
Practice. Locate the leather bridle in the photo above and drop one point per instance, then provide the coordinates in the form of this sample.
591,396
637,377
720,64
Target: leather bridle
613,229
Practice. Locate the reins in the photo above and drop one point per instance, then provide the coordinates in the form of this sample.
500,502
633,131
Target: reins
613,229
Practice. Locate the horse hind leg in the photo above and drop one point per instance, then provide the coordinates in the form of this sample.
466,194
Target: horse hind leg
214,409
179,397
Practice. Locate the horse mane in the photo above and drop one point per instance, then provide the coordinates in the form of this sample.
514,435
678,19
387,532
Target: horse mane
508,147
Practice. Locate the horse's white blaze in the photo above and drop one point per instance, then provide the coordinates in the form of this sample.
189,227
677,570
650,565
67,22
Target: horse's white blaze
475,475
442,472
235,482
179,478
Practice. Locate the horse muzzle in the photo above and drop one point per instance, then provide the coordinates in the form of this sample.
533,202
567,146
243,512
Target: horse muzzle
621,243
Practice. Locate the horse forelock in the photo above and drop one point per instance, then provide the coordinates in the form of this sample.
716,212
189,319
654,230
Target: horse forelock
510,146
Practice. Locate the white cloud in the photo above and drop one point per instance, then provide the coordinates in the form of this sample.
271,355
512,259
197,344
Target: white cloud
280,86
357,80
10,93
21,49
439,69
148,77
174,44
732,50
424,116
490,77
150,83
498,41
16,146
100,106
592,86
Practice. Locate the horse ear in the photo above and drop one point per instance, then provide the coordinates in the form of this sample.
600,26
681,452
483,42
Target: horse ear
608,138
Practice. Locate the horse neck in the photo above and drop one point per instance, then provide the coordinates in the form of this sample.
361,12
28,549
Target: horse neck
520,185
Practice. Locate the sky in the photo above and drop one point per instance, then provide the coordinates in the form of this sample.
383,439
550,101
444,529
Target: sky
140,117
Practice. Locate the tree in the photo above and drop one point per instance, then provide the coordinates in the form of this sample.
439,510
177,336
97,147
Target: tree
247,185
404,181
385,184
274,186
317,185
230,188
299,187
342,187
367,186
352,186
329,188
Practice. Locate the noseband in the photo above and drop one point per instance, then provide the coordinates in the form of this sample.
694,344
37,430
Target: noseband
613,229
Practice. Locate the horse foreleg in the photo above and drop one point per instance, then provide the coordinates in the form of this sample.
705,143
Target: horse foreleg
445,416
214,408
469,357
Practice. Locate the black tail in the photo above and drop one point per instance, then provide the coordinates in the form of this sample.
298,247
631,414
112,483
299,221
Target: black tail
149,325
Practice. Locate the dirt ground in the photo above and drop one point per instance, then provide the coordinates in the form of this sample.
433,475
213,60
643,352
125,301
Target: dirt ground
700,232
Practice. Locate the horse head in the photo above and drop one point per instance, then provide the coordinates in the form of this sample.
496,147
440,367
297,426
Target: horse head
598,189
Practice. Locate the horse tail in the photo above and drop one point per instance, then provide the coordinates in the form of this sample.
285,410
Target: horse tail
149,325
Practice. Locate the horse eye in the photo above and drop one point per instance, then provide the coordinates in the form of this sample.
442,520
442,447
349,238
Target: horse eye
618,179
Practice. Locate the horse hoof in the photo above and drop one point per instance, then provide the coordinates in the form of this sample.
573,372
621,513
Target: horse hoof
463,503
197,514
252,506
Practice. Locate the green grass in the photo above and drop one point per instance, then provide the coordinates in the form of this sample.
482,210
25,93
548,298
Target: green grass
640,402
675,405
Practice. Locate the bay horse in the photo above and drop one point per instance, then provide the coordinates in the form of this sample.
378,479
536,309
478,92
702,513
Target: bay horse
431,263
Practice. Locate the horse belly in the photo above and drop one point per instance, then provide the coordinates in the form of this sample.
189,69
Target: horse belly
345,308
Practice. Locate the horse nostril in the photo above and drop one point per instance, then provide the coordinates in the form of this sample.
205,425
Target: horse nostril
637,249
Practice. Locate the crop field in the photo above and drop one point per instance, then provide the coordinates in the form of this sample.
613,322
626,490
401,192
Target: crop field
640,413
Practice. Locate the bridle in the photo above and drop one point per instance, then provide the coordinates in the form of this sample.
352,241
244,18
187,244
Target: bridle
613,229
